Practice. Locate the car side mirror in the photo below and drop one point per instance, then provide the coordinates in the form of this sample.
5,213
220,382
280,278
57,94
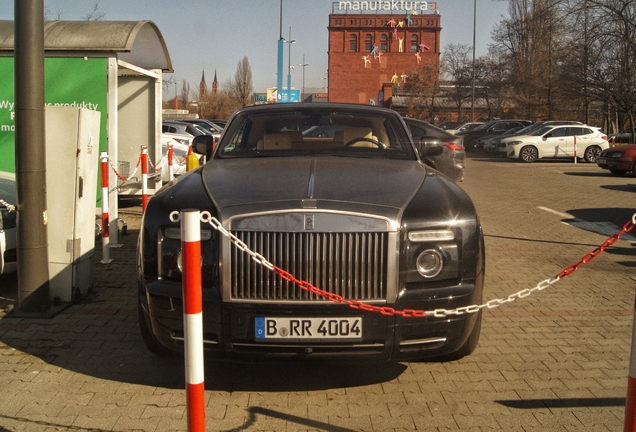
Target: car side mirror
430,146
203,144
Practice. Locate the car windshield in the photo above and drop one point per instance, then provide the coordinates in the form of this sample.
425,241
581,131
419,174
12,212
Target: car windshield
297,131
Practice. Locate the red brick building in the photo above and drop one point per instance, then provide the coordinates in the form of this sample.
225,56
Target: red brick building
371,53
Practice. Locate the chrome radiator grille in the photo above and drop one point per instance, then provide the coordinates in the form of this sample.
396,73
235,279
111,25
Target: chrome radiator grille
352,265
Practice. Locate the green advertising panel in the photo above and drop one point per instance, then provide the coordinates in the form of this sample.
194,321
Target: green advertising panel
76,82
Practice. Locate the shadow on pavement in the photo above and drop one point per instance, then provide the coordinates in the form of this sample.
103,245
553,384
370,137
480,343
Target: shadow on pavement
563,403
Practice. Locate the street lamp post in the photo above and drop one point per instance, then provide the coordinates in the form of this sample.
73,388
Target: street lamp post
303,65
289,66
472,105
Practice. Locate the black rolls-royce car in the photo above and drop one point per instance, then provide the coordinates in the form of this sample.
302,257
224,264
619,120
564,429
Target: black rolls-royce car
337,196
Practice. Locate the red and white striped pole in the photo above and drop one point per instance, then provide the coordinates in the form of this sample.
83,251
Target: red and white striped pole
575,149
630,402
144,177
105,237
170,167
193,318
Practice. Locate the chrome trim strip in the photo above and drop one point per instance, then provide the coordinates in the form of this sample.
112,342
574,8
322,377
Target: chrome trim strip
205,341
307,345
422,341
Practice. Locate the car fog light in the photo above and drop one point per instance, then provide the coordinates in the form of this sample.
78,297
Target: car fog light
429,263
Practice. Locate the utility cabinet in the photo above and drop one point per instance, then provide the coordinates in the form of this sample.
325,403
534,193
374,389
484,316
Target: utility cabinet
72,158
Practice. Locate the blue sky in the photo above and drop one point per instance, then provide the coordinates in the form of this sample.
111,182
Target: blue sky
215,34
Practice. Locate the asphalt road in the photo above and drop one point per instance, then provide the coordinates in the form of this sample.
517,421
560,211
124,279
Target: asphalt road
554,361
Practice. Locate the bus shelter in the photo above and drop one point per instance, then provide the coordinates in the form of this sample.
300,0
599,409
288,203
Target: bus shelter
114,67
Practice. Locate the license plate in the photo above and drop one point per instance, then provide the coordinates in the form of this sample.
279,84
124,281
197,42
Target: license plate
602,160
308,328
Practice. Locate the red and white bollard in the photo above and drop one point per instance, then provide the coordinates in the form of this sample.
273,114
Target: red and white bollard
170,167
630,403
105,237
575,149
144,177
193,318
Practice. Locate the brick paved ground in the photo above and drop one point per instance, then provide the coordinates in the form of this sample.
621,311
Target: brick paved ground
555,361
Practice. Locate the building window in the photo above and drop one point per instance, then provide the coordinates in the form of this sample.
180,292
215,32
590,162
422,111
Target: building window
384,43
368,42
353,43
414,43
353,22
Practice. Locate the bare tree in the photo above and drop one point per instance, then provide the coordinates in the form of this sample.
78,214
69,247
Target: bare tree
94,15
185,94
242,87
456,68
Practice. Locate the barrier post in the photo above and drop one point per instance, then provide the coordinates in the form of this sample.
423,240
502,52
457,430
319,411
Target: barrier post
170,167
105,236
193,319
144,177
575,149
630,401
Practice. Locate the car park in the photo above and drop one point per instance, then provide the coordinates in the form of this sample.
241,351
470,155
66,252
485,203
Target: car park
488,130
208,126
175,126
451,162
619,160
491,144
455,127
501,146
563,141
623,137
8,221
357,217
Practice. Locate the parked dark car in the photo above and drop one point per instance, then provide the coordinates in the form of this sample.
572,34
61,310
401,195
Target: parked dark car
357,216
488,130
206,125
451,161
8,220
619,160
176,126
623,137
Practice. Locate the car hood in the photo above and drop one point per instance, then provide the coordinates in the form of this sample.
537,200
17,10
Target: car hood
324,182
524,138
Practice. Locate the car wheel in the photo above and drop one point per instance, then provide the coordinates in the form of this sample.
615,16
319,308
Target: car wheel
469,346
591,153
529,154
149,339
618,173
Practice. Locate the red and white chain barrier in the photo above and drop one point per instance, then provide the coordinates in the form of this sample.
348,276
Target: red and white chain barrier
105,236
144,177
170,157
10,207
385,310
630,408
193,318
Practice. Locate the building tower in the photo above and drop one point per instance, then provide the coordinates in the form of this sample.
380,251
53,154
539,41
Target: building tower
215,84
203,87
371,53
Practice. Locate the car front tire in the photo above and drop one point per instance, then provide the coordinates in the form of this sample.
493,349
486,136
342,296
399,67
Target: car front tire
591,153
529,154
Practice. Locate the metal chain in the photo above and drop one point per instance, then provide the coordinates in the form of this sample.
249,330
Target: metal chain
10,207
122,178
408,313
153,166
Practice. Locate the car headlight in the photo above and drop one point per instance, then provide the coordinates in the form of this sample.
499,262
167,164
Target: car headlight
432,255
170,255
514,143
429,263
617,154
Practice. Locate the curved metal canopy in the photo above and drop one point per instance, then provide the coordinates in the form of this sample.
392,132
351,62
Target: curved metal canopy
137,42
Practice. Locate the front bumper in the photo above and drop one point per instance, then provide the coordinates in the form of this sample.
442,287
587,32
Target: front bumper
229,328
